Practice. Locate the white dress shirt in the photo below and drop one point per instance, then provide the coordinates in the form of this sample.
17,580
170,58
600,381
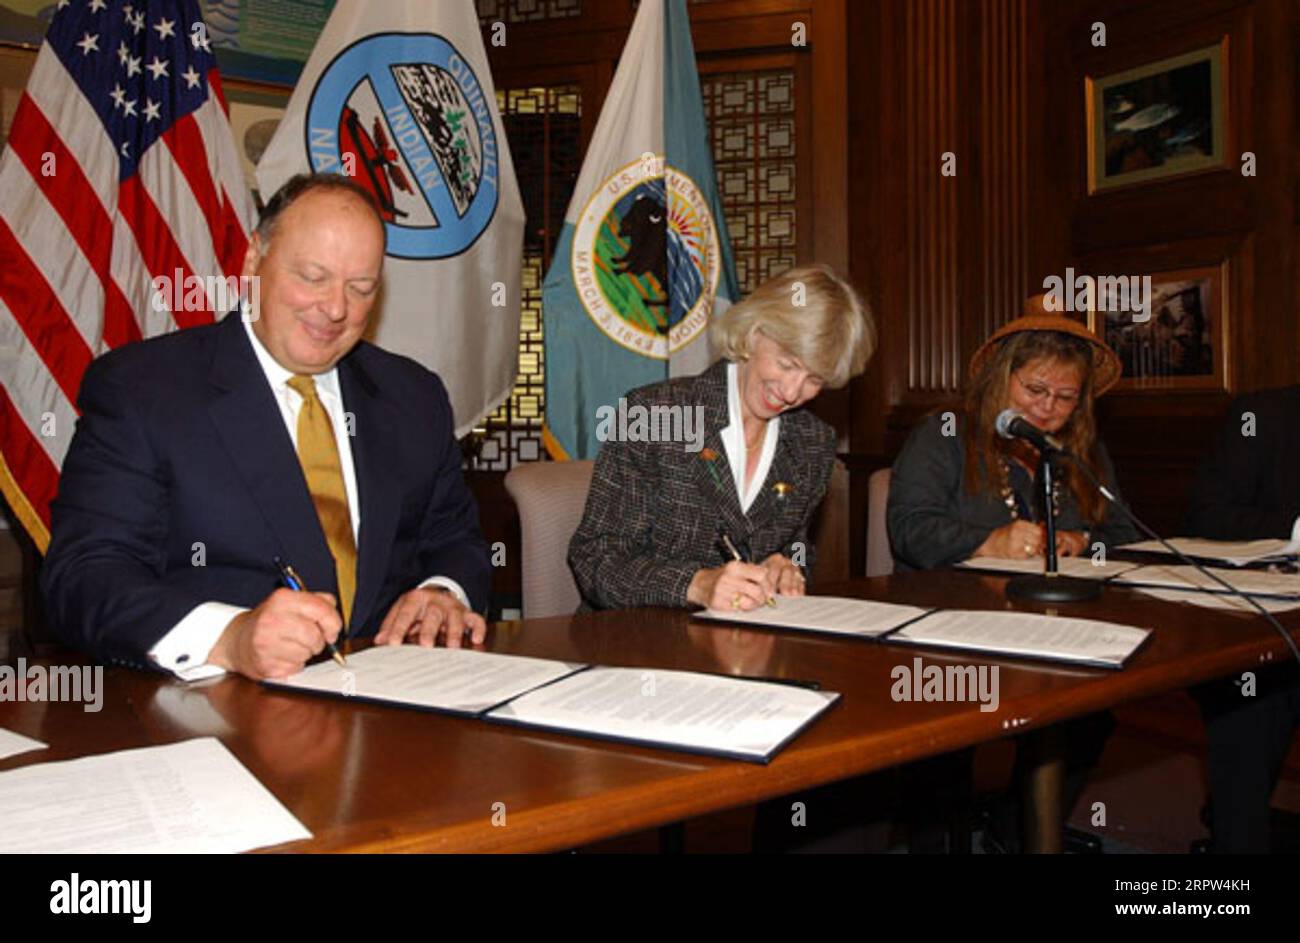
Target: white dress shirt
733,440
185,649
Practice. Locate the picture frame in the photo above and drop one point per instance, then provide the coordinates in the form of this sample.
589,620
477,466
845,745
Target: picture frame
1183,345
1158,121
256,109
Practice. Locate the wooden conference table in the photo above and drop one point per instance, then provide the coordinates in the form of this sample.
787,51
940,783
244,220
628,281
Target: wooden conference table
363,777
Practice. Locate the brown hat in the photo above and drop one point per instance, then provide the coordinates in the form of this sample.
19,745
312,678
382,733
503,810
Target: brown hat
1105,365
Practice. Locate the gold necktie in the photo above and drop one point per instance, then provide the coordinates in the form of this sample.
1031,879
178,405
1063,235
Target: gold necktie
319,454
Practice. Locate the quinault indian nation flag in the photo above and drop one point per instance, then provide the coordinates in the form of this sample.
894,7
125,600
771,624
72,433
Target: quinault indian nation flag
397,95
120,177
643,261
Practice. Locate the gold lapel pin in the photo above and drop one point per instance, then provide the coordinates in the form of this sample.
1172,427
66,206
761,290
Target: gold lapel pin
782,489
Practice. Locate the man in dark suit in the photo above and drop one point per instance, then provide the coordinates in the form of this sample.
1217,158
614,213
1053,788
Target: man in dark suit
202,456
1247,489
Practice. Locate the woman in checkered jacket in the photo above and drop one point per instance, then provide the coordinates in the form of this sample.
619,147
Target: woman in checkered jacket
731,458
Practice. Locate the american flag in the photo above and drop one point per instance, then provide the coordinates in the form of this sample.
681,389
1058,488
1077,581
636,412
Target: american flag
120,168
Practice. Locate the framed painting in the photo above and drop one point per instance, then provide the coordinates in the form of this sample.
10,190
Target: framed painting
1182,341
1161,120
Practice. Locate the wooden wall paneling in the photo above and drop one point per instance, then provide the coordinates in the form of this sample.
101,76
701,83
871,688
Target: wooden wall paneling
874,247
499,521
827,83
1198,219
929,89
1003,124
1268,348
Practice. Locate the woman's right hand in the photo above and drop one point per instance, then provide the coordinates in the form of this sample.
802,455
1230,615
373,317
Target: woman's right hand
736,585
1018,540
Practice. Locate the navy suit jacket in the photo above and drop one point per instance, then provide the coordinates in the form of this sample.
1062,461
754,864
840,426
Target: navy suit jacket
181,486
1246,488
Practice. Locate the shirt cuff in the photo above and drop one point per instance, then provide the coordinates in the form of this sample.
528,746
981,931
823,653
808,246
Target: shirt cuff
184,650
449,584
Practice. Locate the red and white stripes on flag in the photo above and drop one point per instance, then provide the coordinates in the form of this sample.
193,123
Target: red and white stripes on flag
120,168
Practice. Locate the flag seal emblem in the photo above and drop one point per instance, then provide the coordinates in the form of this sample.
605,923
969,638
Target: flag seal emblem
405,116
646,259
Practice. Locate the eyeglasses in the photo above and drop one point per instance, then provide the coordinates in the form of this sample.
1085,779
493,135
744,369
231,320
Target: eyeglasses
1041,394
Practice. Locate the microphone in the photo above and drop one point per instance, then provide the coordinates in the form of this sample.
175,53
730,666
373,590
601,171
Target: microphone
1012,425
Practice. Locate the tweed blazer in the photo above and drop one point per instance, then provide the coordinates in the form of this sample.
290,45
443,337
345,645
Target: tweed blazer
655,511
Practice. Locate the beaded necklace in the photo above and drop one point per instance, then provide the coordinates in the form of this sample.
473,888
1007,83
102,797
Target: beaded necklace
1009,497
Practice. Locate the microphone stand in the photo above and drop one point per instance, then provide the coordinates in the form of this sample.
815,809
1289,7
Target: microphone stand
1051,586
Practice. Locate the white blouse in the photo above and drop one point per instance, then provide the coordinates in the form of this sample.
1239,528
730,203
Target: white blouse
733,440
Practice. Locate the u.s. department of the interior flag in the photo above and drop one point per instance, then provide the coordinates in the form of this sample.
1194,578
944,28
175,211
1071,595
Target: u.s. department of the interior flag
643,262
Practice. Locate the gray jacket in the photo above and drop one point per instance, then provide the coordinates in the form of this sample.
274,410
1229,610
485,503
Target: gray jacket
935,522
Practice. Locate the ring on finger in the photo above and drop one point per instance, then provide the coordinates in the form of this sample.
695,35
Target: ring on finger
735,601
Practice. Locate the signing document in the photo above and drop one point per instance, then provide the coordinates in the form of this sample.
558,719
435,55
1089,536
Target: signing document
1028,634
456,680
1251,582
1236,552
189,797
834,614
1079,567
734,717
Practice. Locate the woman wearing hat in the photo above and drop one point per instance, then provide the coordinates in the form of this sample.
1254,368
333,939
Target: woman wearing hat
960,490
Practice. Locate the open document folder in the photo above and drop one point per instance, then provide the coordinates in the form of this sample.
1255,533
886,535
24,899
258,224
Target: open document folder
723,716
999,632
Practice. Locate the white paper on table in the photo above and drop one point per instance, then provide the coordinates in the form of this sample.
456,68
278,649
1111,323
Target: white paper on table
1236,552
1188,578
187,797
459,680
11,744
1078,567
823,614
1087,641
729,716
1225,601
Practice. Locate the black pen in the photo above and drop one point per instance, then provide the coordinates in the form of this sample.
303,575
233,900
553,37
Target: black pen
731,549
291,579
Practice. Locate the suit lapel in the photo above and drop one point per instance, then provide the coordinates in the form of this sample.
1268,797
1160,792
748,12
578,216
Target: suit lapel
251,429
378,489
785,469
712,470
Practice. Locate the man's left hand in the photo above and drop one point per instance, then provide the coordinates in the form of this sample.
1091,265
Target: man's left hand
427,615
